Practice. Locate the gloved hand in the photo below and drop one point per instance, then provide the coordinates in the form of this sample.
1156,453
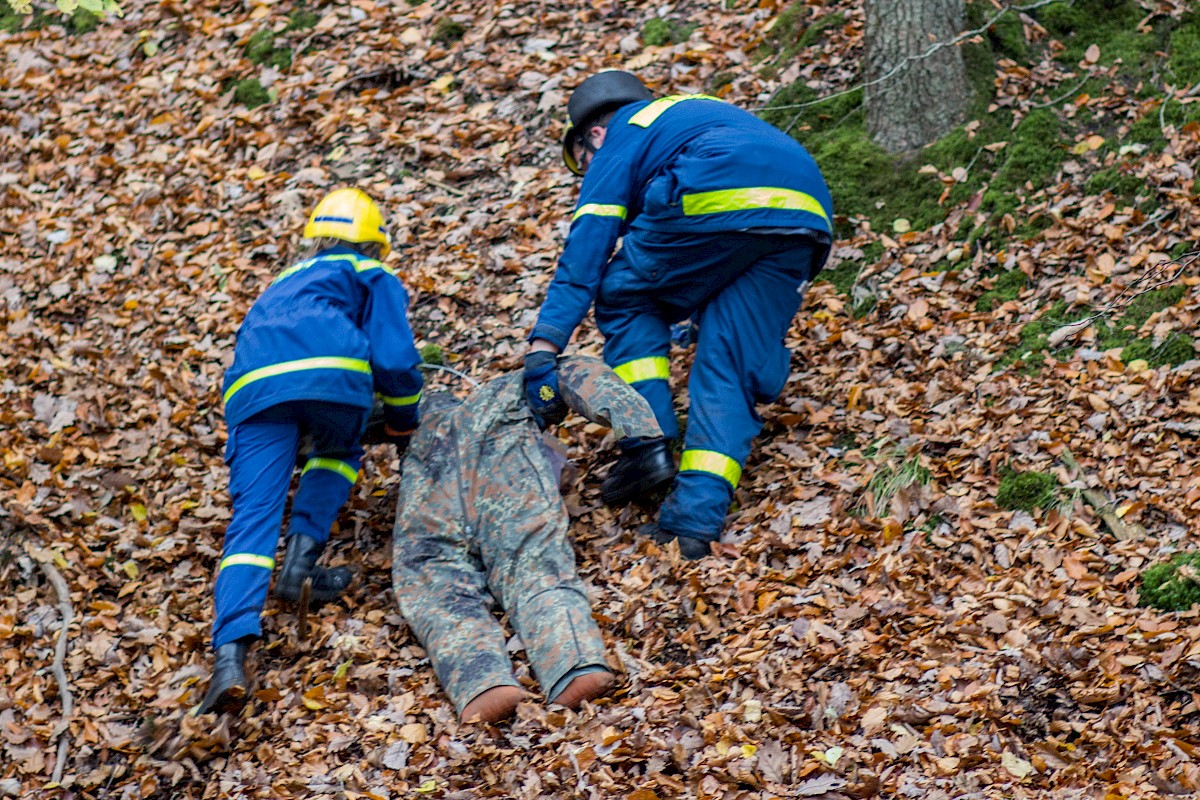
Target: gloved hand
541,388
399,438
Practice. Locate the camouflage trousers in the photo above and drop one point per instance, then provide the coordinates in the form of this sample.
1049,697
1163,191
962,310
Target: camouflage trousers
461,548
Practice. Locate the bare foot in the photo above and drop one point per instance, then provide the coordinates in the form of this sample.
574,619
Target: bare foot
493,705
585,687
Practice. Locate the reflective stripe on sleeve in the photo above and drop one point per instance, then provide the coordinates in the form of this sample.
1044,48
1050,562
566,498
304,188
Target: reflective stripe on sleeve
644,369
600,210
247,560
713,463
749,198
409,400
333,465
299,365
646,117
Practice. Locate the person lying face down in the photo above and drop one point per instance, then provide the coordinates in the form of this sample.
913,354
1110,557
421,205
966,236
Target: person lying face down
481,523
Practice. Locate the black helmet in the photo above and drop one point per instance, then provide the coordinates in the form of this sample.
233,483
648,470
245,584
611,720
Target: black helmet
603,92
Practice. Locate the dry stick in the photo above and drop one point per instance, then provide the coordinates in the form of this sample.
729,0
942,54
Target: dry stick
1154,274
1124,531
1063,97
60,654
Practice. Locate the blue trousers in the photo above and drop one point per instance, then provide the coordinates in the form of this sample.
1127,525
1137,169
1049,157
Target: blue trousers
742,289
261,454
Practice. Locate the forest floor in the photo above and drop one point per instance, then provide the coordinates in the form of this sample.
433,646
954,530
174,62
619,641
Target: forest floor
912,599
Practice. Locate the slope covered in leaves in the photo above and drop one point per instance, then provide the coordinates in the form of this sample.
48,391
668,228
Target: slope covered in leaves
876,622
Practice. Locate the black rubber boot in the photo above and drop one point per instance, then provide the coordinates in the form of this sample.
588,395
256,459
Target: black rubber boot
300,564
229,690
644,466
691,549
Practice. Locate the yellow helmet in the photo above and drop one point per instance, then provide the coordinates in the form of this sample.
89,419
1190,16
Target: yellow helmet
349,215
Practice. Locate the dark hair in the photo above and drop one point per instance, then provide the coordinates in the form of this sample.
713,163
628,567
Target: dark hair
313,247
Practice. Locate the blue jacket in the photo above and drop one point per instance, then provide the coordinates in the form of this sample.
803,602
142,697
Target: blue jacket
683,164
333,328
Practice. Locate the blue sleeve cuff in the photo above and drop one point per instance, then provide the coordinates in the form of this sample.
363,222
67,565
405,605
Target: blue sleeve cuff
551,334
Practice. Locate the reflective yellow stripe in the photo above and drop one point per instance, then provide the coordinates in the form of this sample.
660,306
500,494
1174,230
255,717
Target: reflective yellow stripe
751,197
599,210
360,264
713,463
410,400
299,365
333,465
646,117
247,560
644,369
292,270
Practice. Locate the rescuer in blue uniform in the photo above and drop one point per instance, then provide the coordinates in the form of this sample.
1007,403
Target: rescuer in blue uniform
722,219
326,337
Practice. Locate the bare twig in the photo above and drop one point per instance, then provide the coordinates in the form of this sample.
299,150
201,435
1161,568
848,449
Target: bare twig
46,562
443,186
1123,531
1156,276
1067,94
452,371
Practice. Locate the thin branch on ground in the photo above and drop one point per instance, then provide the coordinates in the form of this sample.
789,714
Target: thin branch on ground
1065,95
46,562
452,371
1156,276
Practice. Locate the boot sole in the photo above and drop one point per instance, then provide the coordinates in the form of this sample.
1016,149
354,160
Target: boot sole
230,701
645,488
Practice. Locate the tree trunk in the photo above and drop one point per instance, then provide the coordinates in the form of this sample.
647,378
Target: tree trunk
921,99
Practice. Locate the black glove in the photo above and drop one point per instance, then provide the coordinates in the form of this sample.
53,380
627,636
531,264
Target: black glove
541,389
399,438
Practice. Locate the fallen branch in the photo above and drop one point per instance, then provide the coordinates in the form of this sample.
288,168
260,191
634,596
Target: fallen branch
46,562
1123,531
1156,276
1186,428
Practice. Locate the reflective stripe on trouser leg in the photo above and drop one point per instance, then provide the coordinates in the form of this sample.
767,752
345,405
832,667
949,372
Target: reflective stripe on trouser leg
650,377
636,339
740,360
325,485
261,457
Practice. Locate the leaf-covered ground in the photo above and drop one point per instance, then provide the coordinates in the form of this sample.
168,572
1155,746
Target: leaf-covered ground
876,622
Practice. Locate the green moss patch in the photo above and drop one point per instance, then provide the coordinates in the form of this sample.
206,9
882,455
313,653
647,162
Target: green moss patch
84,21
659,31
433,354
1006,287
1121,184
846,272
1110,24
1171,352
1172,585
250,93
1124,329
1026,491
261,49
301,20
1033,336
448,31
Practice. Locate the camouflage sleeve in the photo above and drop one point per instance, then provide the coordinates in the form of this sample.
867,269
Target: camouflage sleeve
594,391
